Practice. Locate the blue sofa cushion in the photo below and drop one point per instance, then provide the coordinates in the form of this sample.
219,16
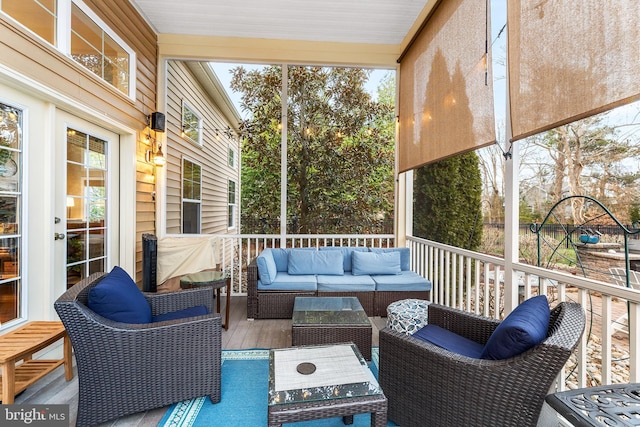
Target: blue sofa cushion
267,269
525,327
118,298
281,258
405,256
448,340
375,263
345,283
287,282
198,310
346,254
315,262
405,281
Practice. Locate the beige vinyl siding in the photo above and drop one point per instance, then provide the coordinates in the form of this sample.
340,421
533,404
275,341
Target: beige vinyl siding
27,54
212,155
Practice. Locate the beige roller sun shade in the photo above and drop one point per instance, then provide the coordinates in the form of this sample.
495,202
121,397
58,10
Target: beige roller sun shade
446,91
570,59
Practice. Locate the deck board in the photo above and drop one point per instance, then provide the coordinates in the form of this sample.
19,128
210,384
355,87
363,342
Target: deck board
242,334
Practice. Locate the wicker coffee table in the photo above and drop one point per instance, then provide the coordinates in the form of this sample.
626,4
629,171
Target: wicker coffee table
331,320
313,382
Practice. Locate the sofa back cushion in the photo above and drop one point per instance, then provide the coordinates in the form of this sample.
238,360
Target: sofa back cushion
315,262
524,328
281,258
267,269
118,298
405,256
346,254
375,263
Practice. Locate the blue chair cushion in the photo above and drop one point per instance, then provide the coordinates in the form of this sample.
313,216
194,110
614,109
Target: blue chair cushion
118,298
525,327
375,263
267,269
448,340
198,310
405,256
288,282
315,262
347,282
405,281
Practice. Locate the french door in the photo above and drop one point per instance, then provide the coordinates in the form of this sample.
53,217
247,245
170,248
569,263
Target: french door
87,199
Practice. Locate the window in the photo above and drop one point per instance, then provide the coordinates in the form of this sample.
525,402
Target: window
37,15
98,51
191,123
77,31
231,222
191,196
11,132
232,157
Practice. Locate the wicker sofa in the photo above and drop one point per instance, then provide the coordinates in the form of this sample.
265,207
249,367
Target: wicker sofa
127,368
366,273
427,385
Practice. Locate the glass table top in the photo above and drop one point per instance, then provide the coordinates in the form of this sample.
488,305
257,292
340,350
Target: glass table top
322,372
328,311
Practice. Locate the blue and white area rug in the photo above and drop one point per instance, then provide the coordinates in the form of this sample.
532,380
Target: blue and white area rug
245,383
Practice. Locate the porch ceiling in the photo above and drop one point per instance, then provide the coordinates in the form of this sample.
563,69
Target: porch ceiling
346,21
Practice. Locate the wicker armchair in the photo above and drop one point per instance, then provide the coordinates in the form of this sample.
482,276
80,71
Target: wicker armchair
429,386
128,368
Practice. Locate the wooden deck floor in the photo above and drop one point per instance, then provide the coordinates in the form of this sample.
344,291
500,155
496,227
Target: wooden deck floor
242,334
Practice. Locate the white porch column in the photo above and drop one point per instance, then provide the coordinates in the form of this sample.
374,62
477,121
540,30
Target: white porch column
283,156
511,213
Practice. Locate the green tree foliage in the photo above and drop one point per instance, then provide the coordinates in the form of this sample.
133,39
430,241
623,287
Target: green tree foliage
340,149
447,197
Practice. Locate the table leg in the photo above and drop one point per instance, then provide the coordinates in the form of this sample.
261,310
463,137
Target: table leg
8,382
68,361
347,420
218,300
226,309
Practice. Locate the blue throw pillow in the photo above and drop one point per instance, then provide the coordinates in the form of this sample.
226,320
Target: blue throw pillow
405,256
375,263
315,262
118,298
525,327
266,267
198,310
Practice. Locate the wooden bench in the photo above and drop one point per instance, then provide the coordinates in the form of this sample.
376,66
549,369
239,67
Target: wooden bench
20,345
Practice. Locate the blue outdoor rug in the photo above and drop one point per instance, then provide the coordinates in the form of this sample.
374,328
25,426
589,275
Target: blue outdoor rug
245,386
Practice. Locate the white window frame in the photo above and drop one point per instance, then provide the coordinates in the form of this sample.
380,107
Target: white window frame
104,27
183,199
63,38
232,150
232,207
186,104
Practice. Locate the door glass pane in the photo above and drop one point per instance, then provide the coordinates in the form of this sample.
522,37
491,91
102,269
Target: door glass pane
10,212
86,205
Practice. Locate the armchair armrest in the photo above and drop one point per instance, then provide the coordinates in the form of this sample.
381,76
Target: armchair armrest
173,301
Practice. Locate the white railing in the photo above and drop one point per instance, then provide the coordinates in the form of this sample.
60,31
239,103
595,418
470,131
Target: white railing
608,352
238,250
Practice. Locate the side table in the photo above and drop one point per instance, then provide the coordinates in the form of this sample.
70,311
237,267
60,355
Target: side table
21,344
215,279
608,405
